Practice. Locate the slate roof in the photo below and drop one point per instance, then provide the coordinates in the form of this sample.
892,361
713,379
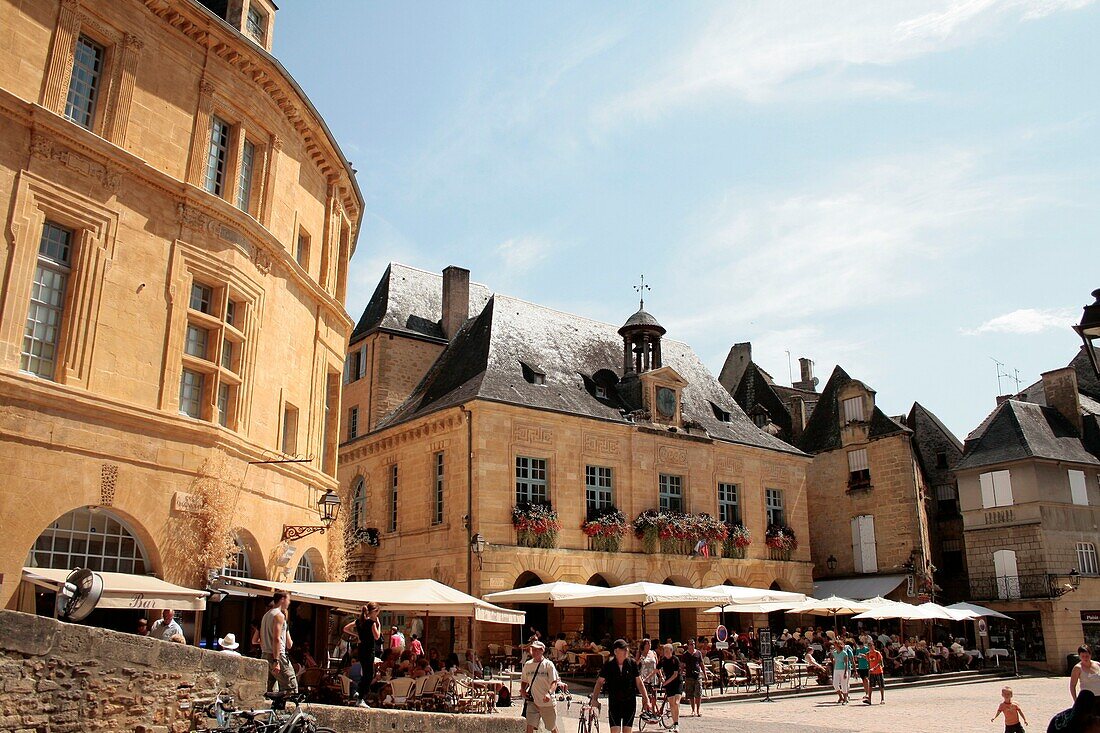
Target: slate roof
755,388
920,412
410,301
486,358
822,431
1017,430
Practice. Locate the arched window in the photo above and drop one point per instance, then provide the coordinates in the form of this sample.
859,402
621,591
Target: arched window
304,572
237,565
89,538
359,504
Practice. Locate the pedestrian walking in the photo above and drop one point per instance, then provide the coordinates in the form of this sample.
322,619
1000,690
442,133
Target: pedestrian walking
1012,712
842,669
621,678
275,643
538,684
368,630
863,667
1085,674
669,667
692,661
878,677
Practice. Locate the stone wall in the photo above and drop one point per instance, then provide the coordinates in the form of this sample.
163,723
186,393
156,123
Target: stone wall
387,721
57,677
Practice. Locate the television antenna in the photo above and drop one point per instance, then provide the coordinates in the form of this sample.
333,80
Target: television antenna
1004,375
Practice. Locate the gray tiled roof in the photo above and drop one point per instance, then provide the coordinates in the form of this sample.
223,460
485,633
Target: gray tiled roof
408,300
1017,430
822,431
485,361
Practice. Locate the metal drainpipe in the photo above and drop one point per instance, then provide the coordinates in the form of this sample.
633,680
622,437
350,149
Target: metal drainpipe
469,510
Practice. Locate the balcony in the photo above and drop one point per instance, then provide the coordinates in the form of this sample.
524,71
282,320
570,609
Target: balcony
1014,587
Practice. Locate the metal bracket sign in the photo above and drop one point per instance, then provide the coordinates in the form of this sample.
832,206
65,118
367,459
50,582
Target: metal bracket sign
767,671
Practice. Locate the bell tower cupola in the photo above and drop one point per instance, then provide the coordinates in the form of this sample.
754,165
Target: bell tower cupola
641,338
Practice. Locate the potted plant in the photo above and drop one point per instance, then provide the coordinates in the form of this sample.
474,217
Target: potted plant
738,538
781,540
536,525
605,529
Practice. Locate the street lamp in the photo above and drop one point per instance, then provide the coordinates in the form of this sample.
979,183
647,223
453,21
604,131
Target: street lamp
477,544
1089,330
831,563
1073,584
328,509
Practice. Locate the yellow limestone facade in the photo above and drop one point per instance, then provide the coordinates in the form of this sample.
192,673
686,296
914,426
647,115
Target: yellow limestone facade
178,224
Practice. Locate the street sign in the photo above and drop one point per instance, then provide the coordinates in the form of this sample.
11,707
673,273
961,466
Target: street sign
721,633
765,637
767,671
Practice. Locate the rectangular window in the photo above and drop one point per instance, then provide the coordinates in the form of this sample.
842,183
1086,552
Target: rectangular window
773,507
244,179
290,429
84,83
43,327
231,314
201,298
254,25
947,499
1077,491
729,508
1086,559
218,156
227,354
437,504
996,489
597,490
302,255
670,491
531,484
353,422
864,550
393,498
195,344
353,366
853,410
223,405
191,386
859,471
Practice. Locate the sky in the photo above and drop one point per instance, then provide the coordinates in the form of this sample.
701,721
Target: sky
907,189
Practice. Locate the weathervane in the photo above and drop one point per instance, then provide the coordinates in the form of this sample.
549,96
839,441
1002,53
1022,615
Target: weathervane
641,288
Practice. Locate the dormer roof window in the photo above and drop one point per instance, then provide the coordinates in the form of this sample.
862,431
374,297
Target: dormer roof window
853,410
720,414
532,374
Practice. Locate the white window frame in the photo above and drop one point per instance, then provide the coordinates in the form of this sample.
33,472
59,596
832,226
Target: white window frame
217,156
439,466
996,488
238,564
245,170
773,502
393,498
864,547
46,311
119,549
304,572
729,502
532,480
1086,559
189,405
670,491
82,101
1078,488
353,422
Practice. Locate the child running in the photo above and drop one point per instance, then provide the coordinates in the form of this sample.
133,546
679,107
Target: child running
1012,712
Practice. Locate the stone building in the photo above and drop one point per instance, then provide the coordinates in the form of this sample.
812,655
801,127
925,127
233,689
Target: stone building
178,227
463,406
1030,501
876,526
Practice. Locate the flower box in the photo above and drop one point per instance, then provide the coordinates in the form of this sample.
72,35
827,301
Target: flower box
536,525
605,530
678,533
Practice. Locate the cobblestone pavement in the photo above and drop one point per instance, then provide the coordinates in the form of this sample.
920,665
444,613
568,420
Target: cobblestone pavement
947,709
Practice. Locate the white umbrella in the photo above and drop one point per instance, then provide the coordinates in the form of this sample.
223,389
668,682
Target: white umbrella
935,610
832,606
739,594
898,610
752,607
977,610
544,593
642,595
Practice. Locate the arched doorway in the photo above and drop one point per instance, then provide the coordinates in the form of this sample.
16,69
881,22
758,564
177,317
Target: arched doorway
538,614
310,567
599,622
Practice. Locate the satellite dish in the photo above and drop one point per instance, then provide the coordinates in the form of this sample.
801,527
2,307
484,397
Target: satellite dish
79,595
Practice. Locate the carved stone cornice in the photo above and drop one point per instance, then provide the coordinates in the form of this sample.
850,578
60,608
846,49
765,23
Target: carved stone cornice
45,148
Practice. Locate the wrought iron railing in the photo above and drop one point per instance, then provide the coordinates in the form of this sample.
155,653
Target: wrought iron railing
1011,587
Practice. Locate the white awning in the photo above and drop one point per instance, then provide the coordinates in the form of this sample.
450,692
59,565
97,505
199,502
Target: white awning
544,593
642,595
123,590
858,589
405,596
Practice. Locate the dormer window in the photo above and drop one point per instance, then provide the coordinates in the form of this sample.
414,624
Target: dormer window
719,414
533,375
601,392
853,410
256,25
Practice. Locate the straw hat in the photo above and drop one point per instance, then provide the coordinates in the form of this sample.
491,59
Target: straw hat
229,641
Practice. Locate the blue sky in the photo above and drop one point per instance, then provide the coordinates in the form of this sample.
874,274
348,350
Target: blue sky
909,189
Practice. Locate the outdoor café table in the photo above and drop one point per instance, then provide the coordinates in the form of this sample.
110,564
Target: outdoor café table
996,653
800,669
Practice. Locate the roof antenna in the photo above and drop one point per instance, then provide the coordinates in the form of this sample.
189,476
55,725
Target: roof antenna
641,288
1003,373
790,373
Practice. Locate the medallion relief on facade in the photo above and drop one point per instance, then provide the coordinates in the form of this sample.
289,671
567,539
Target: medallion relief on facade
671,455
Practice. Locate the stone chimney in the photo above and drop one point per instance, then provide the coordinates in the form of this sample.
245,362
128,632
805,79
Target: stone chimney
1003,398
808,381
737,361
456,299
797,408
1060,390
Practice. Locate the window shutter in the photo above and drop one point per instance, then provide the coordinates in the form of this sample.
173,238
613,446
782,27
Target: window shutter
857,545
1004,567
1002,488
857,460
362,361
988,498
1077,491
347,369
868,547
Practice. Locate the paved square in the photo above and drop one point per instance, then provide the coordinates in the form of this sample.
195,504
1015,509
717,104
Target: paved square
946,709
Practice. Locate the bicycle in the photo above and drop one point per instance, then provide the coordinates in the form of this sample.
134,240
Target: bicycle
589,720
266,720
659,716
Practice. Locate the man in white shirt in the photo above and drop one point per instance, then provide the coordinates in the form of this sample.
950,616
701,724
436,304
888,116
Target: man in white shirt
537,686
165,627
560,647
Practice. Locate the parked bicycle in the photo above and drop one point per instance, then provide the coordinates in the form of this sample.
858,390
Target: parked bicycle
274,719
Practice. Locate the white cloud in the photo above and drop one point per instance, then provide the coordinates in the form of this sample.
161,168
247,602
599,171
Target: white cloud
520,254
766,50
867,236
1025,321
